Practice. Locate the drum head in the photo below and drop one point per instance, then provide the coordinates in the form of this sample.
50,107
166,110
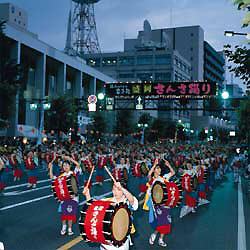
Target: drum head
120,224
74,184
157,193
144,168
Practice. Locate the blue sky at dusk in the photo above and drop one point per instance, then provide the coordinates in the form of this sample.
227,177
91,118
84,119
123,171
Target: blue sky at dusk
117,19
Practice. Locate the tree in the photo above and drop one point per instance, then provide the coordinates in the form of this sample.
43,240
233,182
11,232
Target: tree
202,135
124,124
11,77
240,59
170,129
213,104
159,126
239,56
145,118
223,135
244,119
245,6
62,116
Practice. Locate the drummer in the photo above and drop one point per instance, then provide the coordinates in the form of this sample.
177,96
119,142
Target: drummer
73,203
159,215
120,195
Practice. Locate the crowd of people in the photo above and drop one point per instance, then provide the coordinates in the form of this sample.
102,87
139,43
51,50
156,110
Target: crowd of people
169,175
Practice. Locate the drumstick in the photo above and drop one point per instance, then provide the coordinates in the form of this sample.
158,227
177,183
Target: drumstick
112,177
90,176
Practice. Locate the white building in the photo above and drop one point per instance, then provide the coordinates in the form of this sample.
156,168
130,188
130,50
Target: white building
49,72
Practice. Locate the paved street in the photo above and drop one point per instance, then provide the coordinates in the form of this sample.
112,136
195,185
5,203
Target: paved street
29,220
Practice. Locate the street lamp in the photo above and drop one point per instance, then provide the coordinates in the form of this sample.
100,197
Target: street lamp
143,126
231,33
33,106
225,95
41,105
100,96
46,106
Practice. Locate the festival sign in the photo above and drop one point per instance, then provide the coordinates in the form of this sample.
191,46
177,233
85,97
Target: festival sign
162,89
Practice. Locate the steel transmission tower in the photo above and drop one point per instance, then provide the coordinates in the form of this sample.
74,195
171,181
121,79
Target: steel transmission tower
82,35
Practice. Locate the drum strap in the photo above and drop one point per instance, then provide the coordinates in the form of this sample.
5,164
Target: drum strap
103,247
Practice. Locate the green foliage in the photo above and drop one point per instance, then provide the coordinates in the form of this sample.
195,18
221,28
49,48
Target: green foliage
244,5
11,76
62,116
214,104
145,118
202,135
223,135
244,118
235,103
163,129
124,124
99,122
240,57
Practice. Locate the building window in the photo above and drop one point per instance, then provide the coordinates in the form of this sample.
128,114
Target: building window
191,49
126,75
19,22
145,60
127,60
191,58
192,34
13,9
69,85
109,61
162,59
145,76
20,13
15,19
163,76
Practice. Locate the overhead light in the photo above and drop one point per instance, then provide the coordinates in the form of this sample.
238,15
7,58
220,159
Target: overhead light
100,96
33,106
229,33
225,95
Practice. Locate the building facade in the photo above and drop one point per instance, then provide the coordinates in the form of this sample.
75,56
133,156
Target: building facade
214,65
235,92
49,73
170,54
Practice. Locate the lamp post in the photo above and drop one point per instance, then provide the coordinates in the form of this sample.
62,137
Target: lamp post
143,126
176,129
231,33
40,105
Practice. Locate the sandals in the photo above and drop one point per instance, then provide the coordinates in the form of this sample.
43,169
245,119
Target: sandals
152,239
70,232
162,243
63,232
